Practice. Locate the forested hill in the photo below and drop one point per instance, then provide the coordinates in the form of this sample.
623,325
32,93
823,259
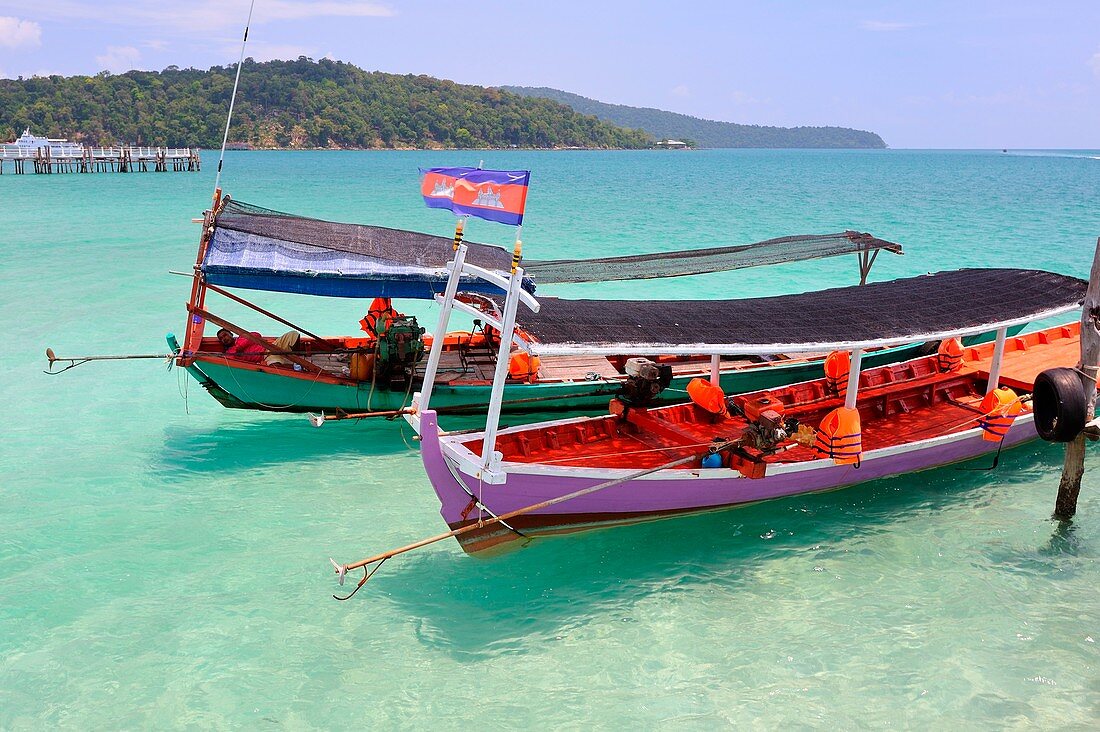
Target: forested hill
301,104
705,132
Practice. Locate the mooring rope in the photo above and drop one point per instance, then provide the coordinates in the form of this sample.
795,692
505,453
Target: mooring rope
379,559
272,407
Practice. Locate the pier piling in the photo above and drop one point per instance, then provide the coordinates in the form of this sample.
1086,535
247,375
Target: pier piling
1073,468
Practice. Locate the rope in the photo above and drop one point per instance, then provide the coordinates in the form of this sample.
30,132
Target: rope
1091,377
952,428
343,569
373,373
273,407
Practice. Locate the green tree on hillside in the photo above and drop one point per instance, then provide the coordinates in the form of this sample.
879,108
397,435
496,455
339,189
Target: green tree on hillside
301,103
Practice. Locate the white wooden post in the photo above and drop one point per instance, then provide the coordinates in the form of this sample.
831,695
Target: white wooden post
853,379
500,375
715,361
998,357
440,331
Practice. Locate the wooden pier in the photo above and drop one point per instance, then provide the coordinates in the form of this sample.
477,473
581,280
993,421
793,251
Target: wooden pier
103,160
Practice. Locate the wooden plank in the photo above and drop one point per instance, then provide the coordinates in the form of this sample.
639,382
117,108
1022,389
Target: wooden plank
1021,367
575,368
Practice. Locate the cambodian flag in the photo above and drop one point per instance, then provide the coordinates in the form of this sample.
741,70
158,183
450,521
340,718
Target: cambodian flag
495,195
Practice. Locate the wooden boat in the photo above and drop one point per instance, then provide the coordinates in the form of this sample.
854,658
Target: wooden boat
639,462
248,247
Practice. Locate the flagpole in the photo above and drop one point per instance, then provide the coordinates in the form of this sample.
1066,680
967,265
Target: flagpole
517,252
460,225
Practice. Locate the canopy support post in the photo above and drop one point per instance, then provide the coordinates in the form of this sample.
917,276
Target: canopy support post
192,335
1073,468
866,261
998,357
853,379
500,375
715,361
441,325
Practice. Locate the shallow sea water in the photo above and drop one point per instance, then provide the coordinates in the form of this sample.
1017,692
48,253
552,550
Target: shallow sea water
163,561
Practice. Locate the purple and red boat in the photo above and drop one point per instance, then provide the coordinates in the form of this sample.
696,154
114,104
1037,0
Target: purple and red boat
640,463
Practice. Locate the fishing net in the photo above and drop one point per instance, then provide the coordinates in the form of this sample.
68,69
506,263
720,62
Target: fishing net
713,259
250,236
258,248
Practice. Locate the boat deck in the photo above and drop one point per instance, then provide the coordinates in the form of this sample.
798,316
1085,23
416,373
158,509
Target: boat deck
898,404
1028,355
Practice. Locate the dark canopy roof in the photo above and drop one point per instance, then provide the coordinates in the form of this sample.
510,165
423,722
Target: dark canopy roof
260,249
711,259
929,307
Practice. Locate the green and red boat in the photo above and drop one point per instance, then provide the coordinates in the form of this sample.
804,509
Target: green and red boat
376,372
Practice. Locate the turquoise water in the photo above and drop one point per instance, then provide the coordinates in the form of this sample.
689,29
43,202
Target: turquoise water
163,561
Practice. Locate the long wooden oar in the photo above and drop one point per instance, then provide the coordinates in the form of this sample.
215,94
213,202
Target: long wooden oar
343,569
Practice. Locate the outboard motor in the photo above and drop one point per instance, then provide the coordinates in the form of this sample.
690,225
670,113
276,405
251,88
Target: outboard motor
644,381
768,425
400,348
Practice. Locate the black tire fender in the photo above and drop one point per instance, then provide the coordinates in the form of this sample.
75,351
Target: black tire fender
1059,404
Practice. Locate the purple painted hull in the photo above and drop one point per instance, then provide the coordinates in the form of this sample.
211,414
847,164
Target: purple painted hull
668,493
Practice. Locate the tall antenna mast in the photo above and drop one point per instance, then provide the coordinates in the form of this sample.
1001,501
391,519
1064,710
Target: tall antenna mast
232,101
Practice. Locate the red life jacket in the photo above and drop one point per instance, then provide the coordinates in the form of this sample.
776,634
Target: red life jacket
379,316
1000,408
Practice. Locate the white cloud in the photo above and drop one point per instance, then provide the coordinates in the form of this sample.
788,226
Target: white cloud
1094,62
206,15
18,33
884,26
286,10
119,59
155,44
681,91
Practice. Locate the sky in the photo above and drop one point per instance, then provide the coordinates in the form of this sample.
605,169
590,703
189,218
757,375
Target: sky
933,74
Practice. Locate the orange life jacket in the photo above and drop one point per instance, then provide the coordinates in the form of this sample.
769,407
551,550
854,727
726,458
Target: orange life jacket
523,365
840,437
381,313
999,408
838,365
949,356
707,396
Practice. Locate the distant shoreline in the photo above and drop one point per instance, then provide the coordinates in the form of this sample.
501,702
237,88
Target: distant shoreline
537,149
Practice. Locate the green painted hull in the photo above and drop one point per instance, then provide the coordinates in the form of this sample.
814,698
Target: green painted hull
247,389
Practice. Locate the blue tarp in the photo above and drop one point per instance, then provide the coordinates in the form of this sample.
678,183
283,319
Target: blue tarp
258,249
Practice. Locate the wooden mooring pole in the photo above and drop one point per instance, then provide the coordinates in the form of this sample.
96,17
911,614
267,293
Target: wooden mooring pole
1073,469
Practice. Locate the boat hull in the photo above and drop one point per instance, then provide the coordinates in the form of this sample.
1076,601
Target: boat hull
452,471
248,386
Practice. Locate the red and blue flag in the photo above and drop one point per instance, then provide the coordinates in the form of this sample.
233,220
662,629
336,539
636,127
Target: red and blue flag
494,195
